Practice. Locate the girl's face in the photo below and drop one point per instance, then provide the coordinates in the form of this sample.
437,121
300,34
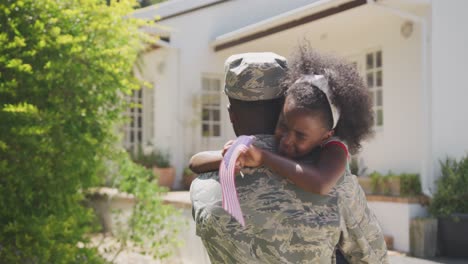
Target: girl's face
299,130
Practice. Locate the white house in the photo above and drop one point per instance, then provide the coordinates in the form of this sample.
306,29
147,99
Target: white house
412,53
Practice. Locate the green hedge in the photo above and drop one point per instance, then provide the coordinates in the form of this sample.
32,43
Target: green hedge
64,67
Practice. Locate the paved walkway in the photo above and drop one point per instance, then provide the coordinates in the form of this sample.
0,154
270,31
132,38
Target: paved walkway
410,260
182,200
127,257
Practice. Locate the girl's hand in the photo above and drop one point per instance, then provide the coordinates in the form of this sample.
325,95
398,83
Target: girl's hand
226,147
240,160
253,157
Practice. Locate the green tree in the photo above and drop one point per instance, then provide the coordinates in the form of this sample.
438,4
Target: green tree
64,69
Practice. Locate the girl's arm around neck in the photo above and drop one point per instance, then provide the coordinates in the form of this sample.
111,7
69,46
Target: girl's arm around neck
205,161
320,179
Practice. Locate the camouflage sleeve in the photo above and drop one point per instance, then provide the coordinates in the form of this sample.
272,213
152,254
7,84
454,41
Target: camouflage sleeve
266,142
362,239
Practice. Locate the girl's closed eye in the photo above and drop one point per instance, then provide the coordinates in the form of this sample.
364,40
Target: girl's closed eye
301,136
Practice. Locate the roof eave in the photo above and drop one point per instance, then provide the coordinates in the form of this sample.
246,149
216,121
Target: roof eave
306,14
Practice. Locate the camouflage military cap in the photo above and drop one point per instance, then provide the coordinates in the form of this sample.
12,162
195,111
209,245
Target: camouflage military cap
254,76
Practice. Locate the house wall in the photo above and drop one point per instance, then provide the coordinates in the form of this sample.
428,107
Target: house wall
177,117
397,224
192,249
449,90
159,71
396,146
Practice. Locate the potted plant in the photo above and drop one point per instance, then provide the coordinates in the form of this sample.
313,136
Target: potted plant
450,206
163,168
392,184
404,184
359,170
187,178
159,162
377,183
366,184
124,203
112,207
410,185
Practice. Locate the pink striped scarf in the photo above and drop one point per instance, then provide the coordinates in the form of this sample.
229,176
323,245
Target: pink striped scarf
227,177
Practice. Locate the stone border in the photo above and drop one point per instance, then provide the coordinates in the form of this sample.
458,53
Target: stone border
179,199
422,199
110,193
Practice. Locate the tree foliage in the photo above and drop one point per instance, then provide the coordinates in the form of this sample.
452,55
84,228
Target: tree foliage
64,69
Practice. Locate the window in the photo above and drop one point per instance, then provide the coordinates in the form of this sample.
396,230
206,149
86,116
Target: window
374,80
140,124
370,66
211,107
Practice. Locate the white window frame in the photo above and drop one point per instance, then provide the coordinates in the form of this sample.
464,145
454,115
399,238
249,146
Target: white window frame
211,102
139,128
373,75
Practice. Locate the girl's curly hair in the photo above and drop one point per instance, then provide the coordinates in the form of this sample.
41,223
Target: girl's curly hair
349,94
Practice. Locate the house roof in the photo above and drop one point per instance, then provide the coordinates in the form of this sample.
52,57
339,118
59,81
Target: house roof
314,11
173,8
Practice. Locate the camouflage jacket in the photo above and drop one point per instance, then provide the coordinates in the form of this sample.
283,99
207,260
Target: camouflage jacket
285,224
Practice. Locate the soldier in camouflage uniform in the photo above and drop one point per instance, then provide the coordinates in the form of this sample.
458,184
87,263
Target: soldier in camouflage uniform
284,224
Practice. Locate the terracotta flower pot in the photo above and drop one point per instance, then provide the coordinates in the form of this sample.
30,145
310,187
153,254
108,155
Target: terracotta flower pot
165,176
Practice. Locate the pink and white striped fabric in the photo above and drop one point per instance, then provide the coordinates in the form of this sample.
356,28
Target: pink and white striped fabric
227,177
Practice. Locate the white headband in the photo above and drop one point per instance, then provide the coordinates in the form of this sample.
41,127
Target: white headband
321,82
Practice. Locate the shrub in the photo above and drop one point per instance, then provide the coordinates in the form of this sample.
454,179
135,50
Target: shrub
64,69
452,189
153,225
